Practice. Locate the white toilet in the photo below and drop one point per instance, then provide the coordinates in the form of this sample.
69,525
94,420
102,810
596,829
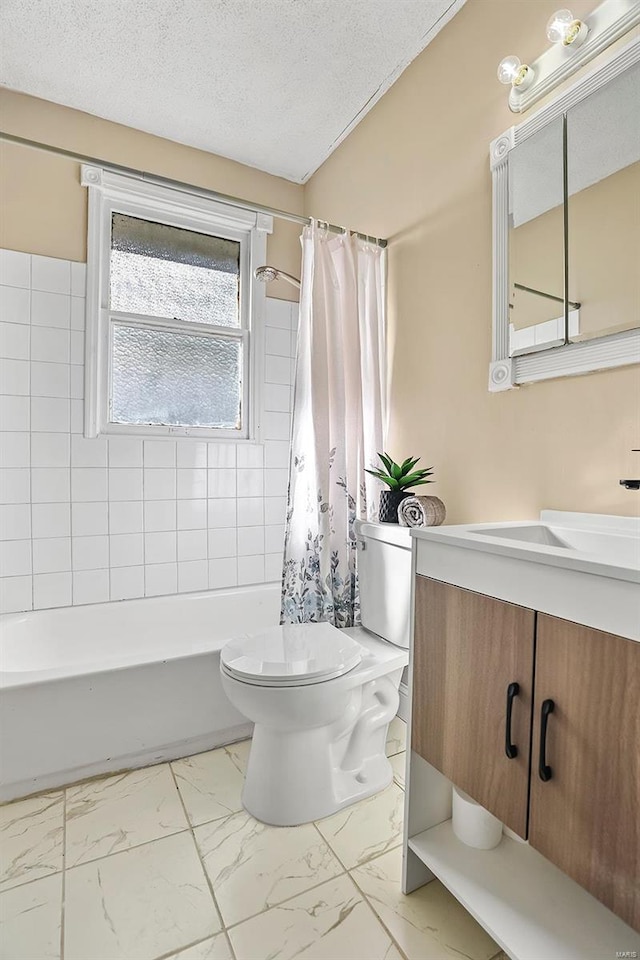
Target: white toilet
321,699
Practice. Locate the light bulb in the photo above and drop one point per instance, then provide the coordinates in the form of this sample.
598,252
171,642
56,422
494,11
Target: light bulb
565,29
512,71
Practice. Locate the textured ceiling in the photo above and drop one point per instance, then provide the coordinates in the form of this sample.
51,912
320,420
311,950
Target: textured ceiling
275,84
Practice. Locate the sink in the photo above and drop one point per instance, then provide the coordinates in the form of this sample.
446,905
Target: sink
534,533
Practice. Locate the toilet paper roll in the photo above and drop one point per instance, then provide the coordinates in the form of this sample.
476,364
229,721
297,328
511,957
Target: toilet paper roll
474,825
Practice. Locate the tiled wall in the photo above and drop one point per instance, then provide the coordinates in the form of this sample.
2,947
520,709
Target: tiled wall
83,521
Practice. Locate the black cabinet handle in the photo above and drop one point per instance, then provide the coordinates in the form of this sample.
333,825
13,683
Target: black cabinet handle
510,748
544,770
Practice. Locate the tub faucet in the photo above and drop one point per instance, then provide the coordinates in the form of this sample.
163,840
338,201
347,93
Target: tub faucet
631,484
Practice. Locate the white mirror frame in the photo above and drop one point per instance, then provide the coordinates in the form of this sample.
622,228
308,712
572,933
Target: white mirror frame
614,350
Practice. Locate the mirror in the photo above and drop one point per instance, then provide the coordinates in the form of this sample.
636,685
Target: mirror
566,231
603,179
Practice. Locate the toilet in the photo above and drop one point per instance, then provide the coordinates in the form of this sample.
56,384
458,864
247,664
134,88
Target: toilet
321,699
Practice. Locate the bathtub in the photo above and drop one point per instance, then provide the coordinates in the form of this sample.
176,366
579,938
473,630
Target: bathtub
94,689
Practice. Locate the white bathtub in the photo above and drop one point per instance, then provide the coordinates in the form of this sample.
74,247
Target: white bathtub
93,689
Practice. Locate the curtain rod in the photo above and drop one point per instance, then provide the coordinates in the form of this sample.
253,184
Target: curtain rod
178,185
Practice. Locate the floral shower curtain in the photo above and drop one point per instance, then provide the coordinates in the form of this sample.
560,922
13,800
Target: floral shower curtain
337,424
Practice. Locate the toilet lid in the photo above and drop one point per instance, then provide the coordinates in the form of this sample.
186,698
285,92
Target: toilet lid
292,654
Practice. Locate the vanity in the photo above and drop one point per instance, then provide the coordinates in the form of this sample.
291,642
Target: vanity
525,679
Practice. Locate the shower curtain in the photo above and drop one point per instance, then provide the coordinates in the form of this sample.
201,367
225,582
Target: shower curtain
337,425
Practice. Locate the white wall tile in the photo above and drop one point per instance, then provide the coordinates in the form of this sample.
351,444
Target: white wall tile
126,583
250,483
125,483
50,344
15,305
50,379
14,377
51,519
276,483
77,386
15,485
125,452
161,579
277,313
223,573
160,515
52,555
50,415
125,516
221,455
278,370
250,541
88,453
250,570
126,550
160,547
222,513
89,519
50,485
14,341
159,484
222,483
50,450
78,279
273,567
77,313
276,454
90,553
277,397
159,453
274,538
191,453
90,586
250,512
15,449
50,310
277,426
275,509
51,590
192,514
77,347
192,545
16,594
49,273
15,268
250,456
192,483
222,543
15,521
76,413
278,342
193,575
15,558
88,484
15,413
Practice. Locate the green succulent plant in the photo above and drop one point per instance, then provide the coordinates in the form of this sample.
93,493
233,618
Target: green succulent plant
400,476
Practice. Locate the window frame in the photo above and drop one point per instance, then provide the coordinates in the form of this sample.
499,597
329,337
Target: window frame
111,192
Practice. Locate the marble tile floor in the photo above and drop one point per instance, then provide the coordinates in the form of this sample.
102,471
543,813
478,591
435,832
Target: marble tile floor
164,864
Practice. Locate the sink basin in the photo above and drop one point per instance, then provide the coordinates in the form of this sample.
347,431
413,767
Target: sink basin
534,533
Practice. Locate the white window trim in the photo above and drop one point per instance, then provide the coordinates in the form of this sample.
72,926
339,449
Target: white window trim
115,192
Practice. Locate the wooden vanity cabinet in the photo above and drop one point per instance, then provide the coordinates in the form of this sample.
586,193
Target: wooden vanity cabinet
579,800
469,649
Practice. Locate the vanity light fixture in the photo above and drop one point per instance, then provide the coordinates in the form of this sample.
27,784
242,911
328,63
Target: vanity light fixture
563,28
512,71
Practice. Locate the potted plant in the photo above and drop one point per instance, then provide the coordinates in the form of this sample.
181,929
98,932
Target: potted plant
398,477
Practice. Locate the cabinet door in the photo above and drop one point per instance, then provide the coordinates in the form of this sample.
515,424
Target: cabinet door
468,650
586,816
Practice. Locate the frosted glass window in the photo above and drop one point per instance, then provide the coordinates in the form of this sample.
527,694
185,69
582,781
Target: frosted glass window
162,271
167,378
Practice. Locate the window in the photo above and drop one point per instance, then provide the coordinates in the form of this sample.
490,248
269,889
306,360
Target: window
173,312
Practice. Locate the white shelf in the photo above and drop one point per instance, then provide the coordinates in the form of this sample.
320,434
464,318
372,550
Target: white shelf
532,909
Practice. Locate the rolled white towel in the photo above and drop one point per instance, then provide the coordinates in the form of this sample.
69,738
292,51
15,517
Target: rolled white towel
421,512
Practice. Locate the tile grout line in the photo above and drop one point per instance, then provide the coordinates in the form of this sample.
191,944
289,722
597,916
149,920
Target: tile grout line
63,881
374,912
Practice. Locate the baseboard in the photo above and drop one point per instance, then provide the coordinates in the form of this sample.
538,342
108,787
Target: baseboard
132,761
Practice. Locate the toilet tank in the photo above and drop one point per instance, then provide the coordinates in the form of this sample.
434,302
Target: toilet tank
384,571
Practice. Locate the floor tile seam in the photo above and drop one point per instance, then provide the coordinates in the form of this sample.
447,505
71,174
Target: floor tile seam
376,914
194,943
63,881
134,846
190,830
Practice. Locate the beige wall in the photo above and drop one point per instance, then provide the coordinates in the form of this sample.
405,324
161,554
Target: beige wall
44,207
416,170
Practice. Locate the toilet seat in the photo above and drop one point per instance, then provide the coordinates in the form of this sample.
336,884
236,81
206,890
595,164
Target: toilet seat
291,655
